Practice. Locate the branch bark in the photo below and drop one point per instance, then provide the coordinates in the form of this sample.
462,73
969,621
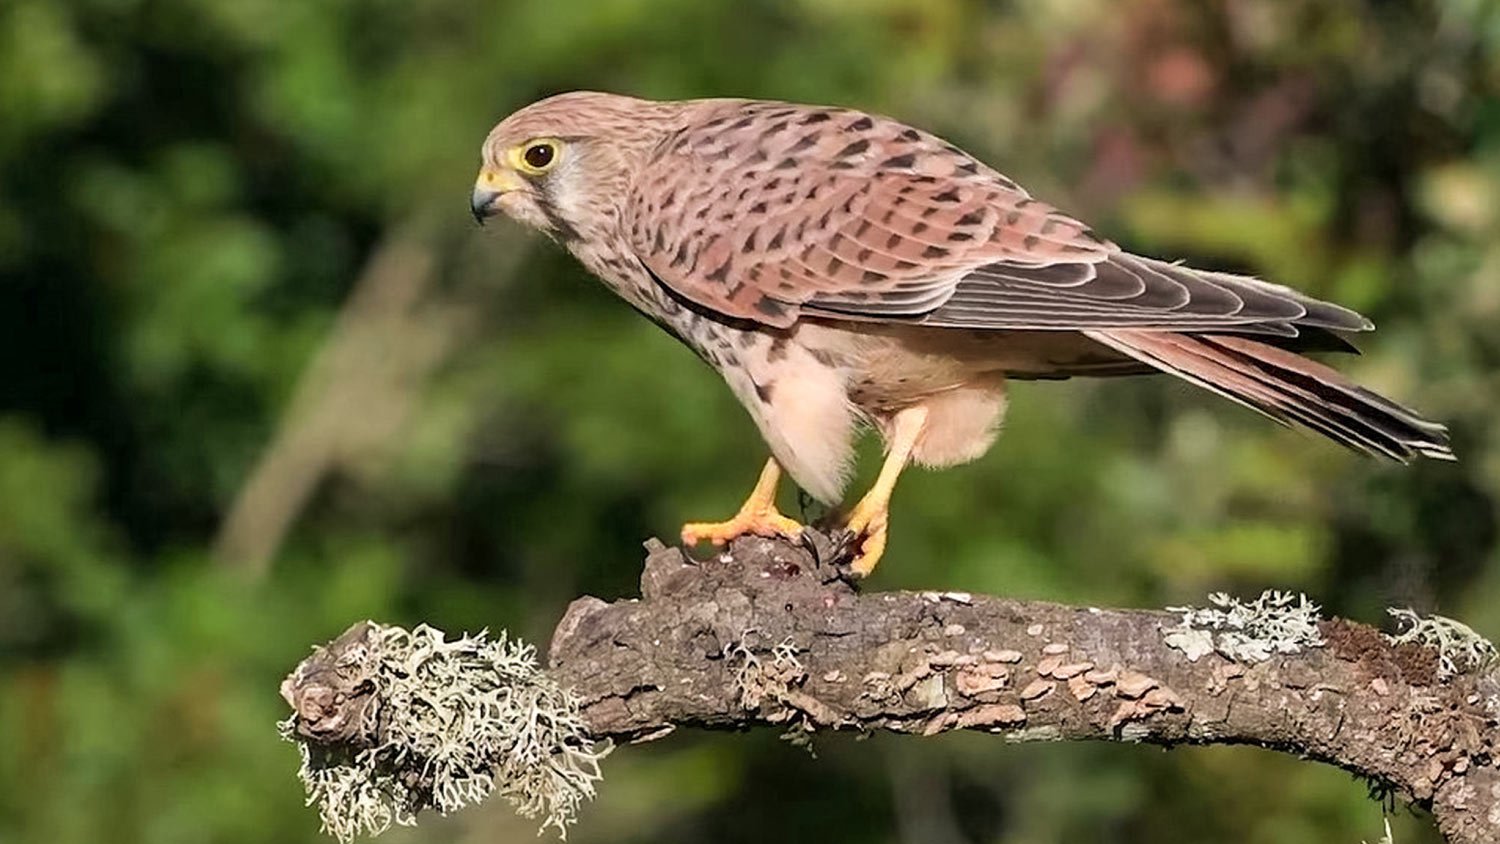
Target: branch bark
763,634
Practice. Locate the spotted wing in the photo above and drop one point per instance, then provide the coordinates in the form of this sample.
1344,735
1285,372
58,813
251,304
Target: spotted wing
768,211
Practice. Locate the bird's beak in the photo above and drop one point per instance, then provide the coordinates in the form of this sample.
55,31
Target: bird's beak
491,185
482,203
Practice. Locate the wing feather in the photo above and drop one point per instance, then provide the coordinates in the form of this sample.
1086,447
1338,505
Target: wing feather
785,210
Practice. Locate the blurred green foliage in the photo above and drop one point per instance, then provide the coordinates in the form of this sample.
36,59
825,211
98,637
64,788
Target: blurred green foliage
190,189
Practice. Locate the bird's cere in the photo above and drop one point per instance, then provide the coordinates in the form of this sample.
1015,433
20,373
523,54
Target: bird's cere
1275,623
392,721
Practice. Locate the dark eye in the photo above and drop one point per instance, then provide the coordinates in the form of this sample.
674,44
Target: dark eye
539,156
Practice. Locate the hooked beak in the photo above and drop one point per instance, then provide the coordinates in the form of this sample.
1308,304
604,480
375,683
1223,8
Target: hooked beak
482,203
491,185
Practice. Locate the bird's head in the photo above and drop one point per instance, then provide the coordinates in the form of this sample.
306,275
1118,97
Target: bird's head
560,164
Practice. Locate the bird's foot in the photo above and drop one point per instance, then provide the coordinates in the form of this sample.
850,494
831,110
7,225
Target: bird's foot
757,520
867,526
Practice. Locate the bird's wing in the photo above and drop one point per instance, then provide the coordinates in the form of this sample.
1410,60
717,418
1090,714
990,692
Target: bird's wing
767,211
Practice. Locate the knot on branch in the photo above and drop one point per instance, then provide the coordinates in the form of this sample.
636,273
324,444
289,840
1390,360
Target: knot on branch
392,721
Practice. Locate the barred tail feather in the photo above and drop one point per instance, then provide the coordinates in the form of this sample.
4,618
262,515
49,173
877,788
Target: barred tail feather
1288,388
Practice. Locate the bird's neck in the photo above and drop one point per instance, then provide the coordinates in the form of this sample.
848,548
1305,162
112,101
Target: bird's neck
615,263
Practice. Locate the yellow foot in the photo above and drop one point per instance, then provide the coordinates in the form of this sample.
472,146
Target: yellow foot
868,524
760,521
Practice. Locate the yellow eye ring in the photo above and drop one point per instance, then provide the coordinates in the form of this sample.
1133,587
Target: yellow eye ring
536,156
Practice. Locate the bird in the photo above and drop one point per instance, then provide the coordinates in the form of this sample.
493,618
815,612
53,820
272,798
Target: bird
844,271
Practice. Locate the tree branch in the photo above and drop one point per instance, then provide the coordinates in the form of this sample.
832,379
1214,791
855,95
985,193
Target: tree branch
764,635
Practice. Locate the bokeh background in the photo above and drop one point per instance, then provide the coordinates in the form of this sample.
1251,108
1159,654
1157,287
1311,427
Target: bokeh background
261,377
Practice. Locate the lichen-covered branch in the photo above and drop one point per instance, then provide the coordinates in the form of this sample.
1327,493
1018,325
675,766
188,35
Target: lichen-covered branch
763,634
391,722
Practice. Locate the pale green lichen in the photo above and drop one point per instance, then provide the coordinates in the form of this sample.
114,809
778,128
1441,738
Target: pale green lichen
759,681
1460,650
1275,623
453,722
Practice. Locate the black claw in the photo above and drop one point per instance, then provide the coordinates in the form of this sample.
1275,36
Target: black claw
832,552
810,545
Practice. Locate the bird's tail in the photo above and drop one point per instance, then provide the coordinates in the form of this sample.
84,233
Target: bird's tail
1288,388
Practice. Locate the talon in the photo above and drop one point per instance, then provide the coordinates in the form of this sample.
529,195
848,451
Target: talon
759,522
871,516
757,516
870,531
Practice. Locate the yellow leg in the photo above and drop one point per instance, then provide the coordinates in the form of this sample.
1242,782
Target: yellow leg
758,515
871,516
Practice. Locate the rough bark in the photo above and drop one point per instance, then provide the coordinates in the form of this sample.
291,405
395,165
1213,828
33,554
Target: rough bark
763,635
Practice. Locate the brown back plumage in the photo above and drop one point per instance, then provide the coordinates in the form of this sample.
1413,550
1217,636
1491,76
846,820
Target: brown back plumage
769,211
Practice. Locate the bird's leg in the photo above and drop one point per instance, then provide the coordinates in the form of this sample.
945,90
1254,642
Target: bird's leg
758,515
870,518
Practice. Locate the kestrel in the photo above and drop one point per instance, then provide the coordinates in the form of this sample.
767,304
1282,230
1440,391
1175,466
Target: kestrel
841,269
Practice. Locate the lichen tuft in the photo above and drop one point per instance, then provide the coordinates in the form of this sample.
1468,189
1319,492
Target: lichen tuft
451,723
1460,650
1275,623
759,681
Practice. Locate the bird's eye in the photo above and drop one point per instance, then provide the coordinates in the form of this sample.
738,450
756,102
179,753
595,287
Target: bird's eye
539,155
